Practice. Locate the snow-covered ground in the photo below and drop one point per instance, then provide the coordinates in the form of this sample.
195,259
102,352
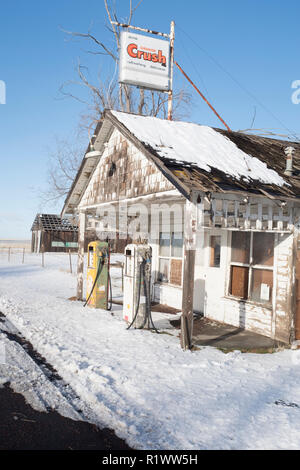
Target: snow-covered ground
28,379
139,383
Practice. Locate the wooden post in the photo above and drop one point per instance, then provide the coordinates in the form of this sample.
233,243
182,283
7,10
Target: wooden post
80,260
8,254
122,267
190,230
23,257
70,260
43,260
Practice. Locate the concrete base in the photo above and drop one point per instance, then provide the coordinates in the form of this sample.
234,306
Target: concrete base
210,333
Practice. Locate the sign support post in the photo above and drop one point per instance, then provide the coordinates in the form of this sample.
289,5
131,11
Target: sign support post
170,92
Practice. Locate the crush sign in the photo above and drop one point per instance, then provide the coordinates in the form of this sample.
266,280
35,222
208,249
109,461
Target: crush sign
145,61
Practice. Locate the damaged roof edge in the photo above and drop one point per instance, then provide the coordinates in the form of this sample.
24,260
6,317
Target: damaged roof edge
68,207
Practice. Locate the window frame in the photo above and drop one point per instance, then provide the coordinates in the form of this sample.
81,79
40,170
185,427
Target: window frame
251,267
169,258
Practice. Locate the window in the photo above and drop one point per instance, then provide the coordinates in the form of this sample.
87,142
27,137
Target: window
251,267
112,169
170,258
215,251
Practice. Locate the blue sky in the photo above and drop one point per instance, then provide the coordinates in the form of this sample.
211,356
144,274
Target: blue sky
254,41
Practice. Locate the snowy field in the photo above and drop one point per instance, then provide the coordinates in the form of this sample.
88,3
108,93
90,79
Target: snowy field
137,382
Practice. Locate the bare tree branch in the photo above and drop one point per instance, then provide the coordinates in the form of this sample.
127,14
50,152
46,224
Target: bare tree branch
64,161
105,92
93,38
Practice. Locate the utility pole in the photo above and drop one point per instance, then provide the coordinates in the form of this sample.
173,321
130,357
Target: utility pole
170,93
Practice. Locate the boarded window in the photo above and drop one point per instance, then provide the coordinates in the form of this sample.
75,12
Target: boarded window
176,272
215,251
239,281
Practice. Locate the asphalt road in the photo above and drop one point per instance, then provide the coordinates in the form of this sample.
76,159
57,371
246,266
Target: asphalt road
23,428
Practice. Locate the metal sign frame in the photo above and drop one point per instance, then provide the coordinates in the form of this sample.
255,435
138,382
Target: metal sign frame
170,36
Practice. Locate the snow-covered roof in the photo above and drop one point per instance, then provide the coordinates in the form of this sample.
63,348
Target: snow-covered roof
194,156
199,145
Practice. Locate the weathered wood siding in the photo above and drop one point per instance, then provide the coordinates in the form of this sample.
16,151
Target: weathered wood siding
46,239
123,172
283,275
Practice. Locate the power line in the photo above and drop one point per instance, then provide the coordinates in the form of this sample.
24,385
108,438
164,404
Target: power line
194,67
249,93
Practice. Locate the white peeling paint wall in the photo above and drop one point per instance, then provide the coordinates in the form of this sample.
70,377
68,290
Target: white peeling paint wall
212,285
211,289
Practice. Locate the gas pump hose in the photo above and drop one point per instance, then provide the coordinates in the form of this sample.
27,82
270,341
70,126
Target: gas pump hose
100,267
139,296
148,315
110,291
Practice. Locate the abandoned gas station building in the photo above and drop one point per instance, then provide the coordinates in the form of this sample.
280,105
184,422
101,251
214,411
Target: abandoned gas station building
237,260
